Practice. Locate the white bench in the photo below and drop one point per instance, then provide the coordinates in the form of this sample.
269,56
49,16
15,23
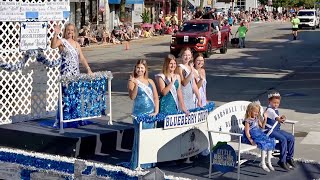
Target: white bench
226,121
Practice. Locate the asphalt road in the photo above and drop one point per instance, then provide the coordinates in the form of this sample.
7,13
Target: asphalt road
271,60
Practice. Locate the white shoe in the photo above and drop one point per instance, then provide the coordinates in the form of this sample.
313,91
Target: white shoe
264,167
270,167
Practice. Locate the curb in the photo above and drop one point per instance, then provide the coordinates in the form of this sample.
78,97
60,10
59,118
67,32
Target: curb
97,45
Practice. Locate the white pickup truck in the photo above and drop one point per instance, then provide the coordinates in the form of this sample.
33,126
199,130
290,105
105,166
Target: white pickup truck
308,18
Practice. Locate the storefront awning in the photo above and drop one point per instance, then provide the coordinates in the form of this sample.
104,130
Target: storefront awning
114,1
134,1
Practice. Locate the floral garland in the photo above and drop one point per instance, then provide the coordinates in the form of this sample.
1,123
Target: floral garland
85,95
66,79
161,116
62,165
40,57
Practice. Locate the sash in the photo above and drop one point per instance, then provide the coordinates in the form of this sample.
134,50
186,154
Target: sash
147,90
73,50
197,73
272,127
172,89
185,69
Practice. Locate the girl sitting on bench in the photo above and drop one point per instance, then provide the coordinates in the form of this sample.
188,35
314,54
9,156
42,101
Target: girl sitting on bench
255,136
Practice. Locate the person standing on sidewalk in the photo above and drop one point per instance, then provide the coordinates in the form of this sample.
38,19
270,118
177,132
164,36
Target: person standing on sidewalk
295,26
242,34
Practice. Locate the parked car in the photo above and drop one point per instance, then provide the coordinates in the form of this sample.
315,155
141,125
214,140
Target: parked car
308,18
202,35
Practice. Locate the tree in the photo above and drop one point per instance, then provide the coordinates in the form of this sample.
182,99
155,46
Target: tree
122,10
305,3
264,2
201,4
290,3
145,16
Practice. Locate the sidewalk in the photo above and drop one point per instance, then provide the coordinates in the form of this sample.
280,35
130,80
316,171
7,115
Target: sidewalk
99,44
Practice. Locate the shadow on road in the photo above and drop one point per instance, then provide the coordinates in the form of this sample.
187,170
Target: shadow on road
278,63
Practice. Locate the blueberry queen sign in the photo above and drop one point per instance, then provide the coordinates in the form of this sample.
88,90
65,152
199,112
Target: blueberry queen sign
33,35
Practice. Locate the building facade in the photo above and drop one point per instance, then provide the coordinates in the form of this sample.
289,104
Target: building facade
104,12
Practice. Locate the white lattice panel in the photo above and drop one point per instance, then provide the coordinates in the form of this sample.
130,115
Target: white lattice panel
32,92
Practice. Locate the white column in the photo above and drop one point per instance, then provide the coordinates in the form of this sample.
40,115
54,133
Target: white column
78,15
112,16
87,11
107,15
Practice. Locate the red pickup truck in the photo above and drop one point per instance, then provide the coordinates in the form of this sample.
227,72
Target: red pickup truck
201,35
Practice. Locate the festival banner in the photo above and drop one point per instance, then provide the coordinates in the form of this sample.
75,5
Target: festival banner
10,11
46,11
181,120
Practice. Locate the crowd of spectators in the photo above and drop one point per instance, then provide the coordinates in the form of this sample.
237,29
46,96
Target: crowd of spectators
169,24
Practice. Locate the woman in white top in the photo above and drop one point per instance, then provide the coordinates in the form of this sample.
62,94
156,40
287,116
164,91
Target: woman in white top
189,86
200,77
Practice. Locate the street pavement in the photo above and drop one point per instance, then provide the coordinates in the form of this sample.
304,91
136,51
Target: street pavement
271,60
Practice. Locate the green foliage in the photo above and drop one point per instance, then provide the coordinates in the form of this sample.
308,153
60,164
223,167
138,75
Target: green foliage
145,16
122,9
305,3
265,2
291,3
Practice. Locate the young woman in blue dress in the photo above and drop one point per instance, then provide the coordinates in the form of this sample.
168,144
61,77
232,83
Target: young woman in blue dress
143,92
169,84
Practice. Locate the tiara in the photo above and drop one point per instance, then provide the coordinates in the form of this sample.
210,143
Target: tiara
273,95
256,102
